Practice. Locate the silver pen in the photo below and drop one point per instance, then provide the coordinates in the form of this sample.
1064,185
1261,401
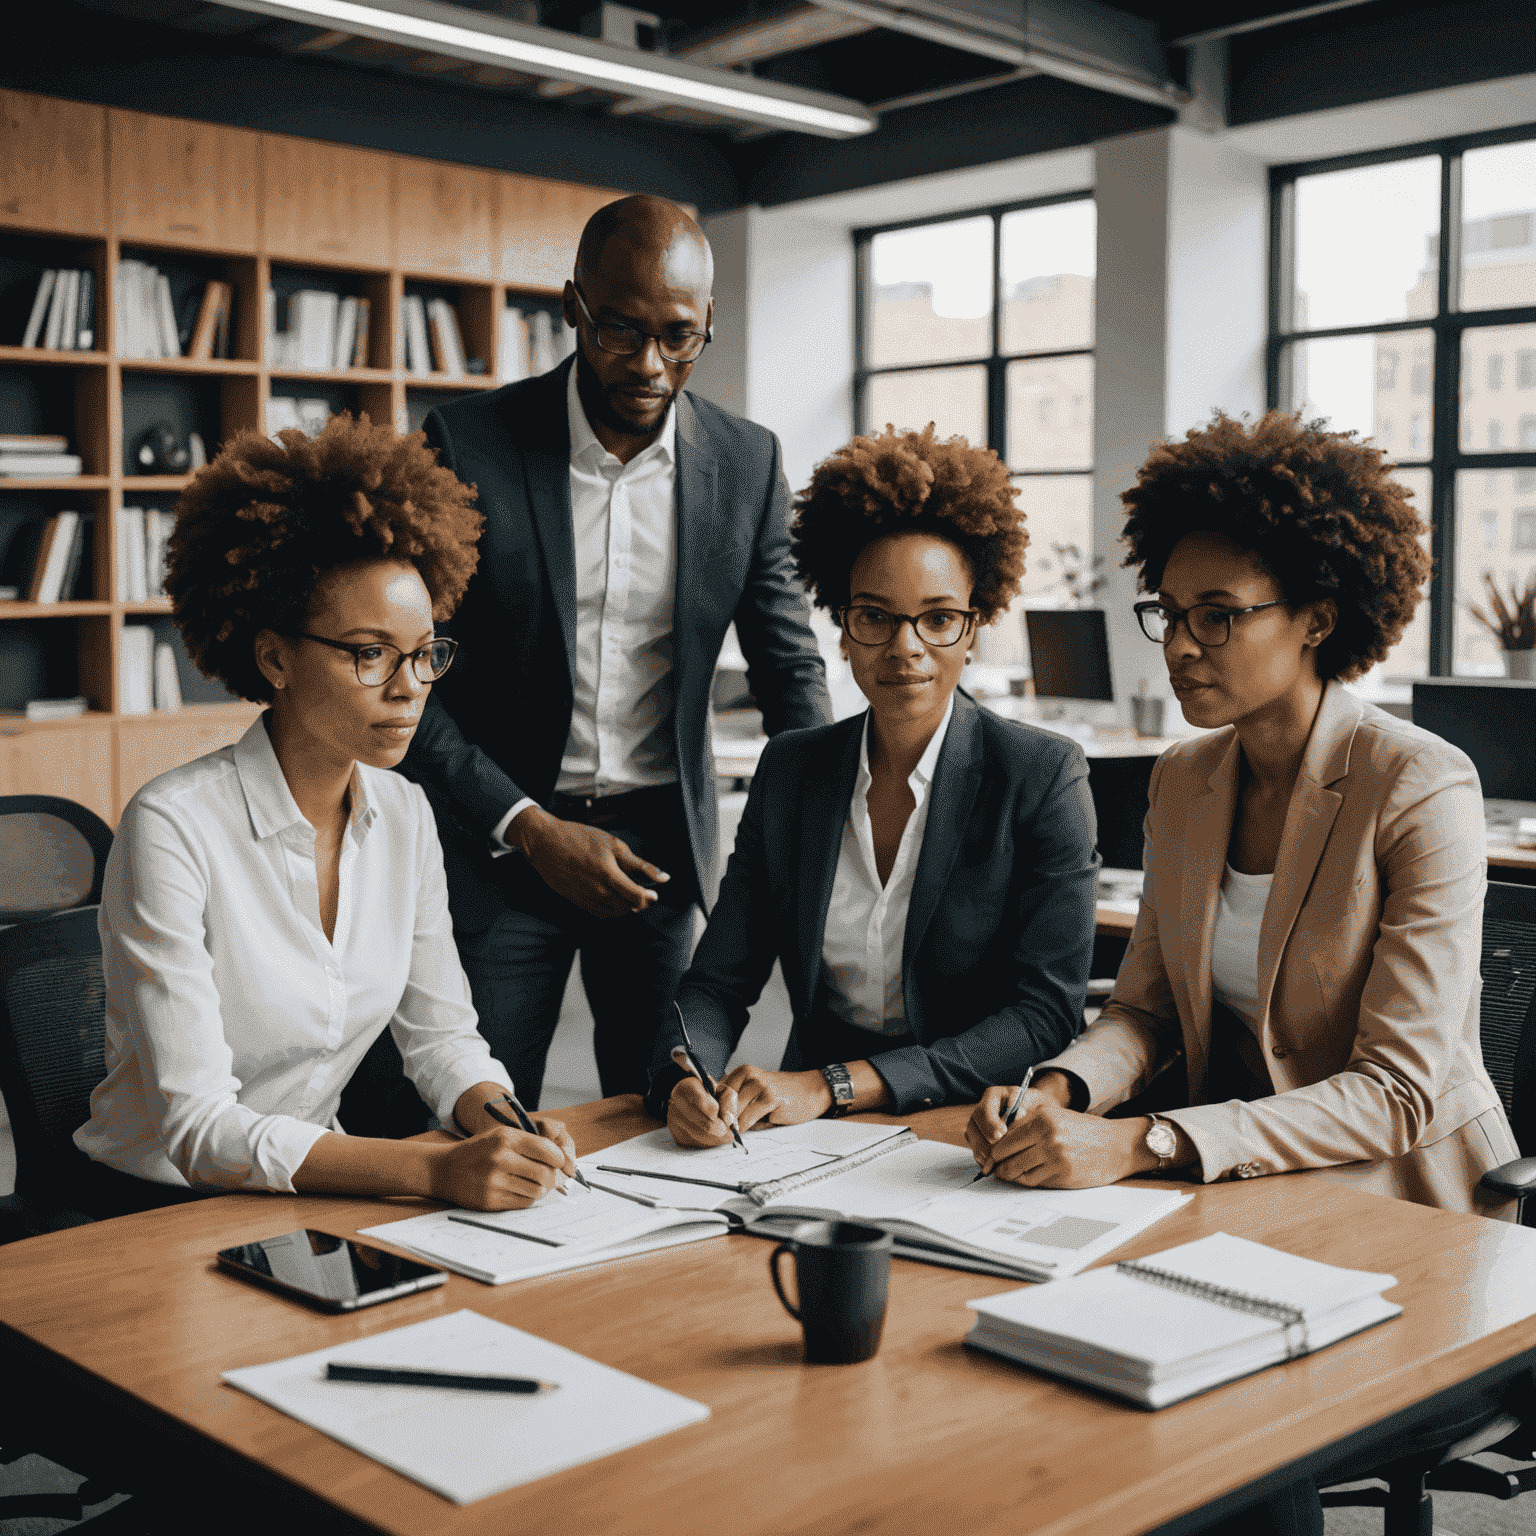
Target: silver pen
1011,1115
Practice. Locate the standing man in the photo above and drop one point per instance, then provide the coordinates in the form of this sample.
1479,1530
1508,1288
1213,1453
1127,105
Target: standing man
627,524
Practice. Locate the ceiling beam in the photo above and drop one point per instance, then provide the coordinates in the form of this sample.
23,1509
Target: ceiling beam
1263,23
788,32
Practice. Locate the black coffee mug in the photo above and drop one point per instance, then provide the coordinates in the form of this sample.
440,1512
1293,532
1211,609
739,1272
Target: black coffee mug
843,1274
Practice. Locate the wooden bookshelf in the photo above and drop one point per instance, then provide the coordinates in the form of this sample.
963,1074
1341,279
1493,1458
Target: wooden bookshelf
85,186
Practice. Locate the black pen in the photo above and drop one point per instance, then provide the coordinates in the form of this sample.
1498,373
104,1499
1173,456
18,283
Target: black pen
1011,1115
673,1178
421,1376
524,1122
691,1060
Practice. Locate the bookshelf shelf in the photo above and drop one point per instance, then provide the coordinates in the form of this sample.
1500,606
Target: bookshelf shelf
53,359
69,483
262,213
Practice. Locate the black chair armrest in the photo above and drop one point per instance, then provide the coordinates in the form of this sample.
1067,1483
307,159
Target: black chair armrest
1512,1179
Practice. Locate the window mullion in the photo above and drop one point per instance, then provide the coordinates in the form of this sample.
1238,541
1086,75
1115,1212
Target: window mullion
1446,440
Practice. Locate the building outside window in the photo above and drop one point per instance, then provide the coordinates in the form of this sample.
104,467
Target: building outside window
1371,327
983,324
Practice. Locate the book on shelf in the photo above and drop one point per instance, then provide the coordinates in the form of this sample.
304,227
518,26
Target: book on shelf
33,442
63,314
360,337
39,316
50,567
312,316
346,333
85,319
212,322
418,350
447,339
157,532
40,466
165,317
1161,1329
147,324
49,709
69,588
167,680
135,669
308,415
512,346
141,538
881,1175
544,351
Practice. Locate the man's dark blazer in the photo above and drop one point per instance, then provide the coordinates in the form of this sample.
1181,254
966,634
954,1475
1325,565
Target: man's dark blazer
495,727
999,932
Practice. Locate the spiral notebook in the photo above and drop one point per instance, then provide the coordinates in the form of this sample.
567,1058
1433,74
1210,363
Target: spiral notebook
1165,1328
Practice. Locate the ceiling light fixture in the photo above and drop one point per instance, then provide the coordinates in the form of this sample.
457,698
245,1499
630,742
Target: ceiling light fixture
481,38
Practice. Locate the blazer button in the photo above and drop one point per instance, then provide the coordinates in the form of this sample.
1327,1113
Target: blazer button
1279,1050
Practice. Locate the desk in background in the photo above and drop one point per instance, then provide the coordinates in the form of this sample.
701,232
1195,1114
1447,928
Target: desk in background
122,1328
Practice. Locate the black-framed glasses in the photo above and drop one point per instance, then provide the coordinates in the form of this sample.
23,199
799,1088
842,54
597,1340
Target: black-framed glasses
677,344
865,624
1209,624
376,663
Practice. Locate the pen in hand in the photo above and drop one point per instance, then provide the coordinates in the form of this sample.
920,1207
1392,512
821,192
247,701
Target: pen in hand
524,1122
1010,1115
683,1056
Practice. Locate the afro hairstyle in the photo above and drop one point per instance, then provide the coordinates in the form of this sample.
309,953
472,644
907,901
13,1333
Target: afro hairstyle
263,523
1319,510
910,482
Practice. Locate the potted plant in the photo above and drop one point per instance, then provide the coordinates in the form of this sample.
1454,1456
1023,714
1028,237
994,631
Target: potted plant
1513,625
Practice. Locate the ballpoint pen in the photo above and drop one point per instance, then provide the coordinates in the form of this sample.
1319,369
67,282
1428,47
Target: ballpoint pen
1011,1115
524,1122
689,1060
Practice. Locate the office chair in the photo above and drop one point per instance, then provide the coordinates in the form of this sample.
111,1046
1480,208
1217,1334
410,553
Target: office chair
1507,1026
52,853
1119,788
52,1029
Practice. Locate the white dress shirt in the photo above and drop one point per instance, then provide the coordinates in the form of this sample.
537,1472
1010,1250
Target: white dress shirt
624,518
866,922
1235,943
233,1023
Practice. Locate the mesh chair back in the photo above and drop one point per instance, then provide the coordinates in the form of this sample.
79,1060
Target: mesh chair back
1507,1021
52,853
52,1028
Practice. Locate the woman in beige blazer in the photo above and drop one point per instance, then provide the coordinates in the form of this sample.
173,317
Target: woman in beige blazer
1311,914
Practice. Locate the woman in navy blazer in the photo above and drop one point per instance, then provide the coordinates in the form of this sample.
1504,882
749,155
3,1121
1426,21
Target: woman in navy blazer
925,871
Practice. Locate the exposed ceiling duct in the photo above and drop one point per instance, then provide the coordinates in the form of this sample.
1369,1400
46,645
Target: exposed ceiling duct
582,62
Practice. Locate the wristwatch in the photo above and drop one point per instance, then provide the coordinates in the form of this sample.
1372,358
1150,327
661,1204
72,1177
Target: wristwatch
840,1081
1161,1141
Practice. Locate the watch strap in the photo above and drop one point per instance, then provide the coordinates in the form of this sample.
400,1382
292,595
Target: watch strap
840,1081
1164,1159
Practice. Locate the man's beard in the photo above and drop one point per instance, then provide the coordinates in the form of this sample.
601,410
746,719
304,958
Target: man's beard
594,396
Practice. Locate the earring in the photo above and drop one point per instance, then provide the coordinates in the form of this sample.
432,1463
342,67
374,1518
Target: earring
278,683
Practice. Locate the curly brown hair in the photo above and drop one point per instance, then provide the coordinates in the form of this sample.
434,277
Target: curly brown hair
264,522
1318,510
910,482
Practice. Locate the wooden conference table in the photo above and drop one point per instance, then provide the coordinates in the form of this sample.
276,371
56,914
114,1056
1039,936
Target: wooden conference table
122,1328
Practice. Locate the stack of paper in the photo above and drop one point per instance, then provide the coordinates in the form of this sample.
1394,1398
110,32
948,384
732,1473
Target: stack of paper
1165,1328
469,1445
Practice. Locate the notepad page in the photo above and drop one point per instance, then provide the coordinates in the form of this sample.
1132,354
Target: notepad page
469,1445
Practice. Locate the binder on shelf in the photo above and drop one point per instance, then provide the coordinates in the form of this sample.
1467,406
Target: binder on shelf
135,672
167,683
39,315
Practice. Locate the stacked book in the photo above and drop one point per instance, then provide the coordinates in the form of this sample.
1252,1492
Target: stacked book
325,331
141,538
433,341
1161,1329
50,709
37,456
63,317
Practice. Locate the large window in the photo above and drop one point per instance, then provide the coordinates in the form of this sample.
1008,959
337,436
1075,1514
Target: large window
983,324
1403,304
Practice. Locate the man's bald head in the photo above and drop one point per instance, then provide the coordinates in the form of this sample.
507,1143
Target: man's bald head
641,232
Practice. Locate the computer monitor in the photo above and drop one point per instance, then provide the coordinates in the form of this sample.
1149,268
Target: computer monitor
1069,653
1492,720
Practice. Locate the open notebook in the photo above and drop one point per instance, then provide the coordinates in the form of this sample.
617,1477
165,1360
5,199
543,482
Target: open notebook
1161,1329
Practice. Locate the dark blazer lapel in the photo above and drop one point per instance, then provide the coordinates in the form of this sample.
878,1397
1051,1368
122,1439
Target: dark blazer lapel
696,473
1203,856
956,779
826,795
545,435
1308,820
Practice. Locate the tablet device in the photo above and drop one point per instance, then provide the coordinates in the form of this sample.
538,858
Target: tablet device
332,1273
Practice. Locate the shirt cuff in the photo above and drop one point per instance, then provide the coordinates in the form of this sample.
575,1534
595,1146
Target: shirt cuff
500,847
909,1075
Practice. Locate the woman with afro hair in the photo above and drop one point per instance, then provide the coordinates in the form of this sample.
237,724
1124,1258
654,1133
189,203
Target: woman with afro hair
924,872
1311,913
269,909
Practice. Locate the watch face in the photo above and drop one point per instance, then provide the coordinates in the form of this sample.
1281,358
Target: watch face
1161,1140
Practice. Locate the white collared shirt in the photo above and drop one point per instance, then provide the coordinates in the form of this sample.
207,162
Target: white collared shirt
861,946
233,1023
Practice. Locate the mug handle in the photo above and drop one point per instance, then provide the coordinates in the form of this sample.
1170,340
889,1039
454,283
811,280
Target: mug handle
773,1269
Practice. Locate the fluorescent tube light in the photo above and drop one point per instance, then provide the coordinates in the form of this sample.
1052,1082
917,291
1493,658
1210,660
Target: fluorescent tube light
488,39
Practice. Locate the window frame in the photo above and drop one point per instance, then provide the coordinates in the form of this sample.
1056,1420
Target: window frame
1446,458
995,361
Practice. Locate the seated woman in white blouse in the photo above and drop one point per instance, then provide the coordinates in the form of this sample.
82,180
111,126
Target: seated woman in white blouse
269,909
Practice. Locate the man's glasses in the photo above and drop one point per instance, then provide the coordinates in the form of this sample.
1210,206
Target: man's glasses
376,663
1208,624
677,344
867,625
